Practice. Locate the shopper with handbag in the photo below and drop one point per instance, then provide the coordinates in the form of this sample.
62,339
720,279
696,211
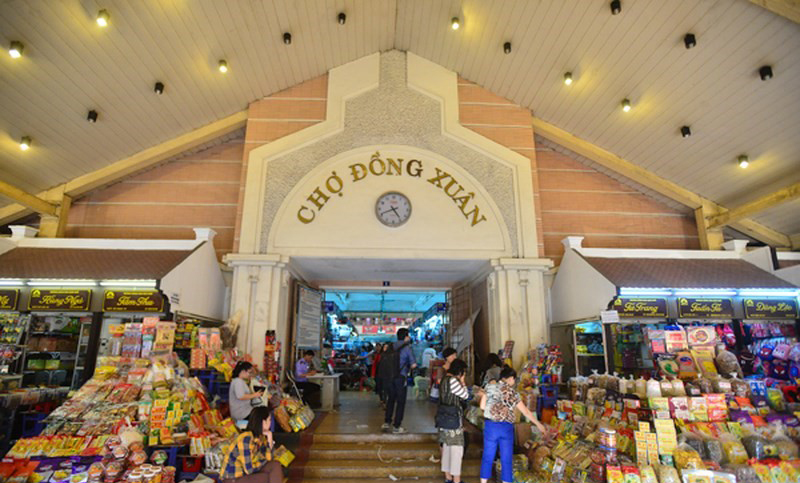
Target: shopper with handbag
453,395
499,403
249,458
241,398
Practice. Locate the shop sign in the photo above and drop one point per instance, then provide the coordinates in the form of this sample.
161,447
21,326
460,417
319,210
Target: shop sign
770,308
640,307
369,329
59,299
9,298
133,301
705,308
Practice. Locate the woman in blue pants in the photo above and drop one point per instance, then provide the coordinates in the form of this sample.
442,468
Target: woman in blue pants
498,404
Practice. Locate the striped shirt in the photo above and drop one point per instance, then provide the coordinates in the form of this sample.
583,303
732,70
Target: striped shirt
245,456
458,389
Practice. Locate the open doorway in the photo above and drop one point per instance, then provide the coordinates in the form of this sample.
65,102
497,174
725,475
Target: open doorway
358,322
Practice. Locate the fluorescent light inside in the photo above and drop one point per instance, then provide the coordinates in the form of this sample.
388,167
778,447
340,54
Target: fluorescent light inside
62,283
705,293
11,283
645,291
129,283
769,293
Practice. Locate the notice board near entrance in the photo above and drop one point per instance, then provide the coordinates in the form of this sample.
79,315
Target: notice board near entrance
308,325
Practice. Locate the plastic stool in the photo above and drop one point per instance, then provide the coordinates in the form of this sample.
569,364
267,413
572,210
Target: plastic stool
32,424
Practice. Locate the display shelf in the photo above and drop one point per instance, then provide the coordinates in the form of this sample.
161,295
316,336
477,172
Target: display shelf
591,355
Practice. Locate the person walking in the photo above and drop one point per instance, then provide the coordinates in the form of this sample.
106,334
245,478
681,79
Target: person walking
498,404
492,373
240,397
453,395
249,458
397,363
379,347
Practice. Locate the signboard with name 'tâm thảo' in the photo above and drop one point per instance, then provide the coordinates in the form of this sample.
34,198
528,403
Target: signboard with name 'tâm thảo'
133,301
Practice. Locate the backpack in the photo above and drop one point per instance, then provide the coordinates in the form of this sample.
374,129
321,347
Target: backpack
389,367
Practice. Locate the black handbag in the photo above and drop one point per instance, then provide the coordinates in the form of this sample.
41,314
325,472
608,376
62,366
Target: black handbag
448,414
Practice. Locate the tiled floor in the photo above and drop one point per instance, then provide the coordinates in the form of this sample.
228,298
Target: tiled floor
360,412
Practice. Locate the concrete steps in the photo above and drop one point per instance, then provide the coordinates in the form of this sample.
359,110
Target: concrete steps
376,451
370,469
375,438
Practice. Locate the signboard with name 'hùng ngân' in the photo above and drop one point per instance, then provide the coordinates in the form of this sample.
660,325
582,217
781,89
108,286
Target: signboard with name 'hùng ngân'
640,306
133,301
9,298
59,299
705,308
755,308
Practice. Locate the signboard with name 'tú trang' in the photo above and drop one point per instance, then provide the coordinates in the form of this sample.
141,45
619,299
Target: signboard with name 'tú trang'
640,306
9,298
705,308
770,308
59,299
133,301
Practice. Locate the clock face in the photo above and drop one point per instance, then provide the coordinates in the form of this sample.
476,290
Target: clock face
393,209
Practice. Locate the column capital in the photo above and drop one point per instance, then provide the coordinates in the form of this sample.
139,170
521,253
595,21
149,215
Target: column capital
265,260
538,264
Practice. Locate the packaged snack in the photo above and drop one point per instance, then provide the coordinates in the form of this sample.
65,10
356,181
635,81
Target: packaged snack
614,474
687,458
727,363
679,407
686,366
648,474
694,441
743,473
735,452
120,452
755,446
667,474
137,458
700,336
705,385
159,457
775,399
724,477
714,451
717,409
740,388
631,474
96,471
763,473
704,359
697,476
698,408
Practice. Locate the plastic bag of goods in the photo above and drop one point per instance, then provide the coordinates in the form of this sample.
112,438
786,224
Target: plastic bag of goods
735,452
787,449
695,442
687,457
667,474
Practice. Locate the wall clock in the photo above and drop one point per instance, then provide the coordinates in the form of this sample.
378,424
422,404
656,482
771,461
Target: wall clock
393,209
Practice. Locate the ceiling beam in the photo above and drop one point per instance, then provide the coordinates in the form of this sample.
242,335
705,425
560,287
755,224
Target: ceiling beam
757,206
124,167
27,200
655,182
785,8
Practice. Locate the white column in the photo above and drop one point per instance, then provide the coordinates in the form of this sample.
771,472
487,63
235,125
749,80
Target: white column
517,307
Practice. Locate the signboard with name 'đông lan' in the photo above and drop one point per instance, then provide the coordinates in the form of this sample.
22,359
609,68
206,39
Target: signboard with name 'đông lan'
133,301
9,298
640,306
770,308
59,299
705,308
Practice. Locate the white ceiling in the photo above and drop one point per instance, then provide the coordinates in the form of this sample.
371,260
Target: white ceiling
70,66
385,301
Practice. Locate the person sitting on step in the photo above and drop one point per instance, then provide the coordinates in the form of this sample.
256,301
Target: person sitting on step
249,458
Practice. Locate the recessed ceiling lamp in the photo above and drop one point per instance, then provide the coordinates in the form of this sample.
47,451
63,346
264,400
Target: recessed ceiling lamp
92,116
686,131
341,18
626,105
507,47
616,7
287,38
568,78
102,18
25,143
223,66
455,23
689,41
15,49
159,88
743,161
765,72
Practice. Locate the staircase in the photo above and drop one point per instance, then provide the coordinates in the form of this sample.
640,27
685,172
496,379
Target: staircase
341,458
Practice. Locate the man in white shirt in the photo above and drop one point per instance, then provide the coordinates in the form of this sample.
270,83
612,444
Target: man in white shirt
428,355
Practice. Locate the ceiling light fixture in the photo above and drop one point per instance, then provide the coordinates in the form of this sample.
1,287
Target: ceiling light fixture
92,116
616,7
287,38
223,66
507,47
25,143
15,49
159,88
568,78
686,131
743,161
102,18
455,23
341,18
689,41
765,72
626,105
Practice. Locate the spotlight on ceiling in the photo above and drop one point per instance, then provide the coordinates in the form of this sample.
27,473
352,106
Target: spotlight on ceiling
15,49
102,18
765,72
507,47
616,7
341,18
455,23
287,38
689,41
568,78
92,116
743,161
686,131
159,88
25,143
626,105
223,66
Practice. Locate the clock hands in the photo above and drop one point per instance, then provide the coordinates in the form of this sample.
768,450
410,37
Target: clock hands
392,209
